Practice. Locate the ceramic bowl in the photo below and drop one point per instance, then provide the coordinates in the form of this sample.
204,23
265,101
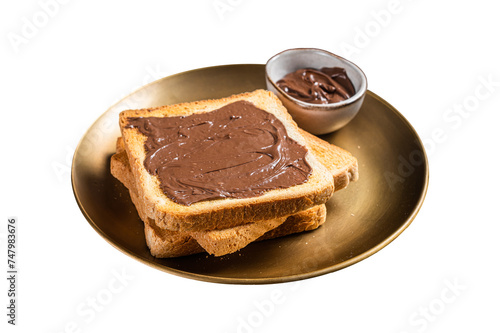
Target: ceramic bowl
316,118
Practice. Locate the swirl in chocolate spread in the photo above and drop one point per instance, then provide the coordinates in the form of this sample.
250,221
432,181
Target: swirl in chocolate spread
328,85
237,151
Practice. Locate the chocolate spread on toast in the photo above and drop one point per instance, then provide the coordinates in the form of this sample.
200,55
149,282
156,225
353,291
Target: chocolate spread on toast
237,151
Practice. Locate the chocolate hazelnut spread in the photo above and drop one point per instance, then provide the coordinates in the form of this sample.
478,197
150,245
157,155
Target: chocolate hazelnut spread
327,85
237,151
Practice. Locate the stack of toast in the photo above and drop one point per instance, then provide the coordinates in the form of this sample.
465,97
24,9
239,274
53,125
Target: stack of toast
227,224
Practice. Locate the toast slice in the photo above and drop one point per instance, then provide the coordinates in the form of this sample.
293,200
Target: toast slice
222,213
165,243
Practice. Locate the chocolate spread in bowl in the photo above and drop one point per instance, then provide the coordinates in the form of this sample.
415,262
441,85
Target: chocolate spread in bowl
328,85
237,151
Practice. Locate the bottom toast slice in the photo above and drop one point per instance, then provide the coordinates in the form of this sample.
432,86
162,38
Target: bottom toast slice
166,243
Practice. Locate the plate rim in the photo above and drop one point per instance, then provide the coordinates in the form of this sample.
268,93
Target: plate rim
264,280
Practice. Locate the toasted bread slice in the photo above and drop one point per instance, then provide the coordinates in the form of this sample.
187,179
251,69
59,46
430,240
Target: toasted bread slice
228,212
165,243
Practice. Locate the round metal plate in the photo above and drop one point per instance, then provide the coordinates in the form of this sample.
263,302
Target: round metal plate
361,219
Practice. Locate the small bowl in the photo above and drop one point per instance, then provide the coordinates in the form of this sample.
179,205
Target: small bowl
316,118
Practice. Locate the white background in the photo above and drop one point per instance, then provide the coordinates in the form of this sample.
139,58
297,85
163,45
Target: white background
428,59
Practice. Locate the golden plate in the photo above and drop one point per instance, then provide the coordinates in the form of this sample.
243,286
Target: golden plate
361,220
